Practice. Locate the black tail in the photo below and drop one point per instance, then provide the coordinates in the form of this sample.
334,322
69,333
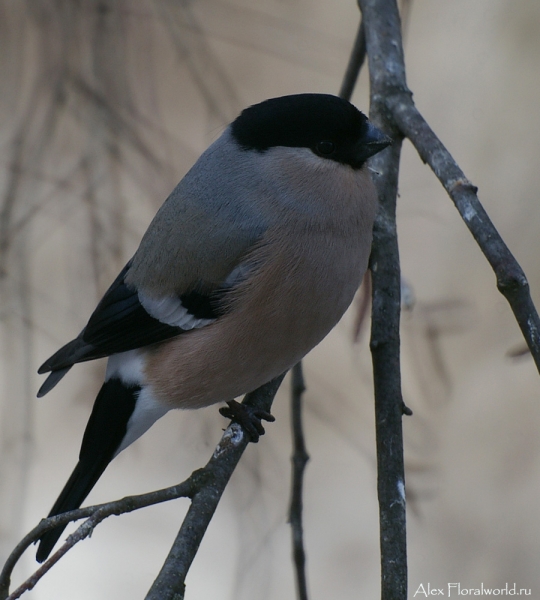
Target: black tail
79,485
104,433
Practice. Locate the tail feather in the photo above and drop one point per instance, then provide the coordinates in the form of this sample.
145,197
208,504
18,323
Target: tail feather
102,438
79,485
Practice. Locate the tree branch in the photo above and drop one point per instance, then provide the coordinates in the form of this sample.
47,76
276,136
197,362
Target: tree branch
511,280
170,583
385,350
392,108
386,311
299,460
390,88
94,515
205,487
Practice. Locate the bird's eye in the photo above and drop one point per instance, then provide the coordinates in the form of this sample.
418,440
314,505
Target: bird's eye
325,148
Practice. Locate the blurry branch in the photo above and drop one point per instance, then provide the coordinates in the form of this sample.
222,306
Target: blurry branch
204,487
358,55
218,93
299,459
300,456
393,110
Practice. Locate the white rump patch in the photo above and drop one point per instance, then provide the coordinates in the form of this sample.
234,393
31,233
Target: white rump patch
171,311
147,411
126,366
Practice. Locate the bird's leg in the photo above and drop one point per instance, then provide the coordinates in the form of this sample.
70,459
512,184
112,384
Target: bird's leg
248,417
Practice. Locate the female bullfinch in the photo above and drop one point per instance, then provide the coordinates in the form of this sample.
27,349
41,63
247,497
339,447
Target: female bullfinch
249,263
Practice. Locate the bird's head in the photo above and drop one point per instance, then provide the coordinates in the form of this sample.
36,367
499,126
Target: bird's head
330,127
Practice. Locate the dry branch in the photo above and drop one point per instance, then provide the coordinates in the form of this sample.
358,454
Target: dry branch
391,94
170,583
300,458
511,280
392,109
205,487
94,515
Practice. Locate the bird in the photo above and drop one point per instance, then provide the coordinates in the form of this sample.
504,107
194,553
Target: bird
248,264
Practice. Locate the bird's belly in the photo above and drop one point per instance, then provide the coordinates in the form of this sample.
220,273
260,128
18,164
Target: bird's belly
272,326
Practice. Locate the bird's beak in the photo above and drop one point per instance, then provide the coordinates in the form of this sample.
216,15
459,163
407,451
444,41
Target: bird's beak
374,141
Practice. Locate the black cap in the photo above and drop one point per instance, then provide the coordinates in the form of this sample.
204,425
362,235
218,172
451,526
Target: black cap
329,126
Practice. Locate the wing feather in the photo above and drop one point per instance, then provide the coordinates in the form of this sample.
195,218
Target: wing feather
126,319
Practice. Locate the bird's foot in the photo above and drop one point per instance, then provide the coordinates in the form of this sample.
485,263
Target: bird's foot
248,417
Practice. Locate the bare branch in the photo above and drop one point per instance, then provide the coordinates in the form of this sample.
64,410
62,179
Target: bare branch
204,487
385,341
300,458
94,515
381,21
390,88
393,109
170,583
385,350
511,280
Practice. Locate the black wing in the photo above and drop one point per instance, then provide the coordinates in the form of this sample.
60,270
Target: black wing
121,323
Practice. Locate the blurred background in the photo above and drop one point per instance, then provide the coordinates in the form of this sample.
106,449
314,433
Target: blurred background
104,105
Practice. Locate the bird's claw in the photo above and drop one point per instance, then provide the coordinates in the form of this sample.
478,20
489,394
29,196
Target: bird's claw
248,417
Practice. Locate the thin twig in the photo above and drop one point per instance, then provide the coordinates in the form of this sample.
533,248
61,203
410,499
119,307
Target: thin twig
170,583
94,515
358,55
390,90
511,280
200,486
299,459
